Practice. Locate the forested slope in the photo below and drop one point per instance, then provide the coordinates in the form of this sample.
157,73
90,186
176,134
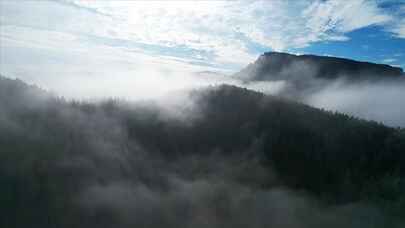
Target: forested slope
123,164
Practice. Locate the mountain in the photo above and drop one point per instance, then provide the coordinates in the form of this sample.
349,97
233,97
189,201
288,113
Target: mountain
235,158
283,66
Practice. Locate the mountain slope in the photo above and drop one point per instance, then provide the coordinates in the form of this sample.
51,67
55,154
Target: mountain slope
121,164
284,66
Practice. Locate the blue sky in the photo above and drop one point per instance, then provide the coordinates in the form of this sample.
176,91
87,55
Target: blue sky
367,44
57,41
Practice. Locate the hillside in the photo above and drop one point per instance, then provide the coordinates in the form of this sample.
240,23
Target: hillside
284,66
123,164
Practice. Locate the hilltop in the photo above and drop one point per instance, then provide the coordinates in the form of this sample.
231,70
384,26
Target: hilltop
284,66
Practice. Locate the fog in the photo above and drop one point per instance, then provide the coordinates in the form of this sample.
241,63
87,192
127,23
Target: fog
381,102
361,94
126,124
66,70
378,101
111,177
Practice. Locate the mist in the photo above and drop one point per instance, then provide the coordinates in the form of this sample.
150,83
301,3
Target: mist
382,102
362,94
379,101
109,161
128,163
135,76
123,114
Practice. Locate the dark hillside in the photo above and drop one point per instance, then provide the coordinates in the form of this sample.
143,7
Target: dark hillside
120,164
284,66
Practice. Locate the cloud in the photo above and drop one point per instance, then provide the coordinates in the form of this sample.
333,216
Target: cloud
381,102
390,60
343,16
225,33
107,174
61,62
399,29
211,203
377,101
93,49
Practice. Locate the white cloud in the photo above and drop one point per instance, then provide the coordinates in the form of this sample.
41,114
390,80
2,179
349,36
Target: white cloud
74,69
330,20
380,102
345,16
276,24
399,29
216,26
220,33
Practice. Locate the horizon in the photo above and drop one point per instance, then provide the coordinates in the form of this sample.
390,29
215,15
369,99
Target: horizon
144,49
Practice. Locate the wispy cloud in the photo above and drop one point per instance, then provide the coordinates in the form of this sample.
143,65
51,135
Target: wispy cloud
208,33
389,60
399,29
218,26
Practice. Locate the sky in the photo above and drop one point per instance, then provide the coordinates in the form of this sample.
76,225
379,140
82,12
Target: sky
57,42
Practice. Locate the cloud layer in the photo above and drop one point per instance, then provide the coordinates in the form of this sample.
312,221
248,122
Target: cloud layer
381,102
226,34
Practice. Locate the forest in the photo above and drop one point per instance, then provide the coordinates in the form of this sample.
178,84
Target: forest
229,157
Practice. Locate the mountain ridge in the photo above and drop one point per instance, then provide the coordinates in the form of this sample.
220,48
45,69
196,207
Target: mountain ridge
280,65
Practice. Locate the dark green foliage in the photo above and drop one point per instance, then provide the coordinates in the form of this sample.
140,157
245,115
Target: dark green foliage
51,149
